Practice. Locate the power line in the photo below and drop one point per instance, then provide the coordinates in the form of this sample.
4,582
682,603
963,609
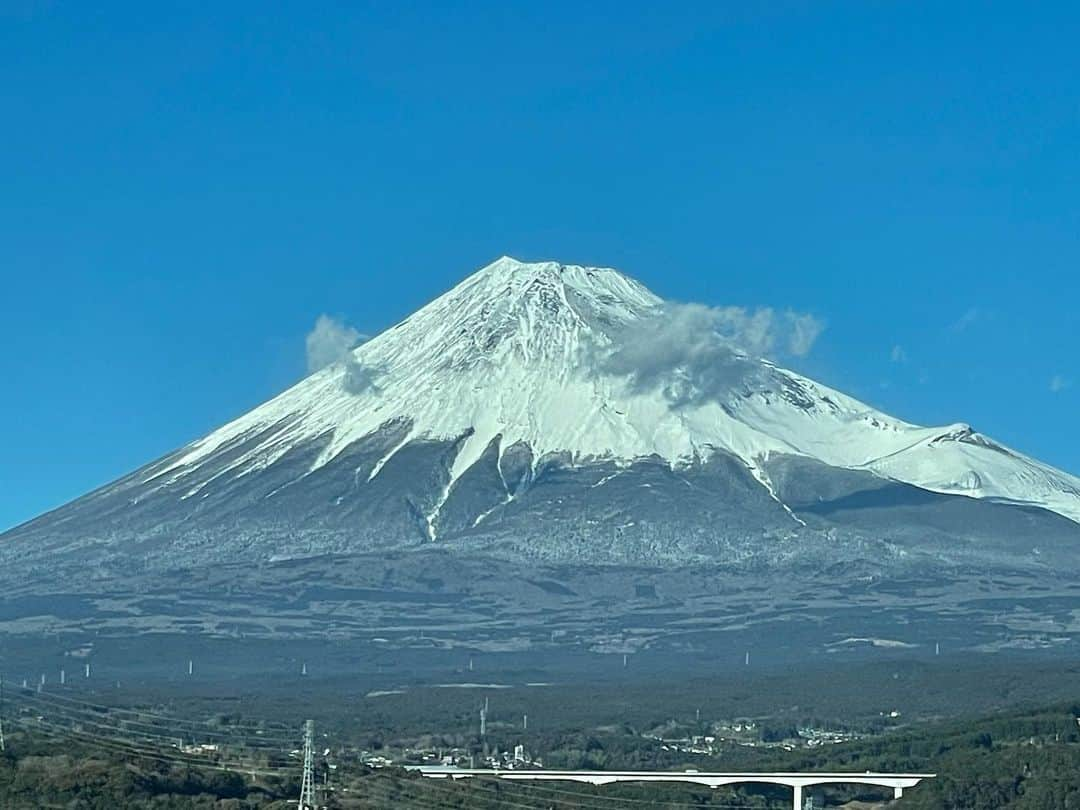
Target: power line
31,725
397,796
103,727
395,800
137,752
512,800
533,786
97,728
481,785
117,740
133,750
74,713
234,734
444,791
147,713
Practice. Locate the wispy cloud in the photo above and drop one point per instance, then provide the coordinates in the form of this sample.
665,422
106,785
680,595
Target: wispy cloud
328,342
694,352
898,355
332,341
805,330
359,378
1058,383
970,317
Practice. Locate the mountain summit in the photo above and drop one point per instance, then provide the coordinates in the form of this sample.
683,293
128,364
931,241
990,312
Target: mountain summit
560,412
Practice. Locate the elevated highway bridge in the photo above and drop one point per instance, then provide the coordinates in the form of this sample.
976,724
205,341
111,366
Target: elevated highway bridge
796,781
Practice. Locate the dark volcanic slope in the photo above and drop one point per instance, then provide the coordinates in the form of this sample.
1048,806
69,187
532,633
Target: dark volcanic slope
496,421
713,511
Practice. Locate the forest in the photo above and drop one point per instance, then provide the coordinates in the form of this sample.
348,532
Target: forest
1024,759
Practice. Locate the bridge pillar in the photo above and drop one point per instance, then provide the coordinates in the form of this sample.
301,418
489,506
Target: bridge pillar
897,792
796,799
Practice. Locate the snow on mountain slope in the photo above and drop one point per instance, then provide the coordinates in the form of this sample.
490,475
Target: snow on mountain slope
514,352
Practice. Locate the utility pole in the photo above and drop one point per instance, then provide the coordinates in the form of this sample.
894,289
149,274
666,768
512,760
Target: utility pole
307,783
87,670
190,667
63,678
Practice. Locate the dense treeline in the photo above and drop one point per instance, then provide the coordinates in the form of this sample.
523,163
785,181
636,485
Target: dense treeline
852,695
47,772
1022,760
1025,761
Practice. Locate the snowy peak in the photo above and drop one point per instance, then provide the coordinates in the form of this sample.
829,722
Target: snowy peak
553,287
514,356
538,314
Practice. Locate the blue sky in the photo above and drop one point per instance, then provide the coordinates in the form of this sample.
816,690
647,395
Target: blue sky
186,188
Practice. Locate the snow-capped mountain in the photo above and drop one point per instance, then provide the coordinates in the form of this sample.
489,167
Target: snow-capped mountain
491,419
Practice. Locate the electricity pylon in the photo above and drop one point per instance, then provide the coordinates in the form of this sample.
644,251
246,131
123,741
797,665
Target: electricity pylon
307,784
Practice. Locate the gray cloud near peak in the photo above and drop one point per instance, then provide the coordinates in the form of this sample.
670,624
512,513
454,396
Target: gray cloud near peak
332,341
694,352
328,342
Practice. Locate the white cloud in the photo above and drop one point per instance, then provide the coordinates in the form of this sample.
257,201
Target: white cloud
805,330
762,332
329,341
693,352
332,341
1058,383
898,355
